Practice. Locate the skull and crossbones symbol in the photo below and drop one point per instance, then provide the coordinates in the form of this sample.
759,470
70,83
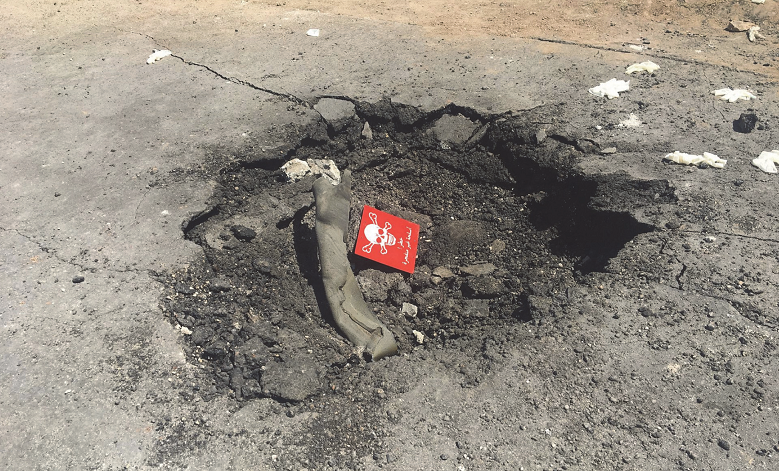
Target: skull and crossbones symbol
377,235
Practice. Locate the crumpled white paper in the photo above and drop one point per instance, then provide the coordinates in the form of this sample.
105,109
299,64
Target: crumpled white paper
732,95
313,32
690,159
297,169
647,66
766,161
611,88
157,55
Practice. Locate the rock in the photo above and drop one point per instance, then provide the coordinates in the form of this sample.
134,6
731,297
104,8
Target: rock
453,129
540,136
745,123
326,168
243,233
443,272
419,336
483,287
476,308
78,279
202,335
296,170
478,269
292,380
608,150
336,112
220,283
409,310
367,133
184,288
724,444
497,246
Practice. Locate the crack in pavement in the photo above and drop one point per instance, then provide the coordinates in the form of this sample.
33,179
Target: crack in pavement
53,252
286,96
650,54
743,236
235,80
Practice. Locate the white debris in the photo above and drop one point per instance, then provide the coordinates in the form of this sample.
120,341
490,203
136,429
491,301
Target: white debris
326,168
752,33
758,1
647,66
185,331
409,310
710,239
297,169
766,161
636,47
631,122
157,55
313,32
732,95
420,336
690,159
611,88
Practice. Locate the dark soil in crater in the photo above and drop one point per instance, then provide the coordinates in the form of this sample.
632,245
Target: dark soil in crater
505,222
508,230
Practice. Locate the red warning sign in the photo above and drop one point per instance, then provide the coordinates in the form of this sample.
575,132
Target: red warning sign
387,239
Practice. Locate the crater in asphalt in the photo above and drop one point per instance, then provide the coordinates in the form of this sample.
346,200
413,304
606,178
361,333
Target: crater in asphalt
507,224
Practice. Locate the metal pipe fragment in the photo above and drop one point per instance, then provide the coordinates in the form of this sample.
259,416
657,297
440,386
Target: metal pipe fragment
351,314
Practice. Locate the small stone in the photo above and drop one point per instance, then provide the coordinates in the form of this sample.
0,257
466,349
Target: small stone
367,133
57,194
420,336
478,269
497,246
745,123
540,136
710,327
183,288
673,224
724,444
409,310
444,456
78,279
186,331
443,272
608,150
243,233
710,239
483,287
220,283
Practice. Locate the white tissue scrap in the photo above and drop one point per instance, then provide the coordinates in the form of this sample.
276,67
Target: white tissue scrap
611,88
297,169
733,95
632,122
157,55
313,32
766,161
647,66
690,159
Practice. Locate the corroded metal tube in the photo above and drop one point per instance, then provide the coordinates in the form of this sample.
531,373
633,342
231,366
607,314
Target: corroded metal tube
351,314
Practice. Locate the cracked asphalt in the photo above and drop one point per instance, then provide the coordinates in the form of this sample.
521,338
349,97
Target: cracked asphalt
106,159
